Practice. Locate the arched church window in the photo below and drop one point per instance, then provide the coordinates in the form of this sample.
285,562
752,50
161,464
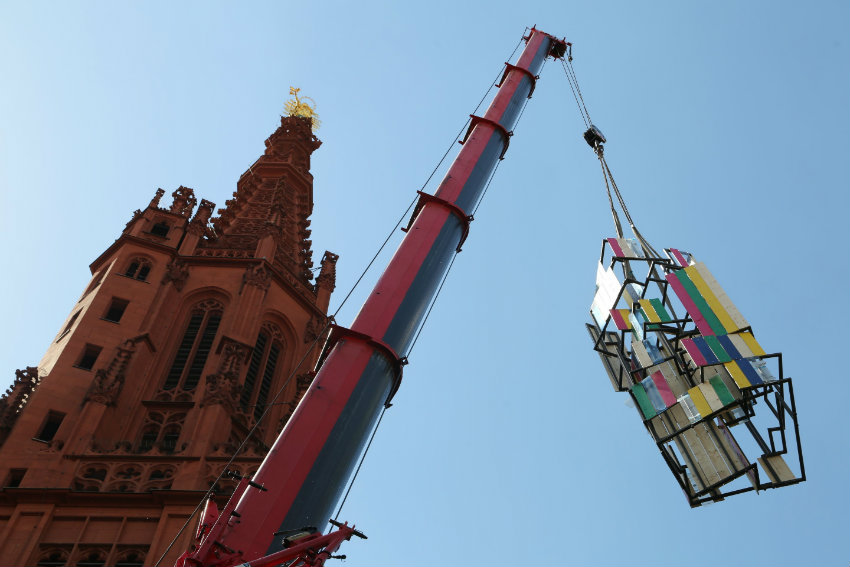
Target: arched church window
261,369
161,430
138,269
195,346
53,557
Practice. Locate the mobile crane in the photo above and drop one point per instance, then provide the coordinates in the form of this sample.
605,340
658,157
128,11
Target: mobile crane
275,517
272,518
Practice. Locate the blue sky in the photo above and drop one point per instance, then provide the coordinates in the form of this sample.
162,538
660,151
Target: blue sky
729,134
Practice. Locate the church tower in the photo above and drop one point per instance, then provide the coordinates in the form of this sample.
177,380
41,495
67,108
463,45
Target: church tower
190,327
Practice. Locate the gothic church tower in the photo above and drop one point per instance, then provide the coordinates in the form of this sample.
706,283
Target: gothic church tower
189,327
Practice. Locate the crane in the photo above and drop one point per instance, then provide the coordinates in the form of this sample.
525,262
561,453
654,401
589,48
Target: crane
701,376
272,518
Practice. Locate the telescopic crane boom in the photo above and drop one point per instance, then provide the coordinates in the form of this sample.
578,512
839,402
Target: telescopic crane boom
272,518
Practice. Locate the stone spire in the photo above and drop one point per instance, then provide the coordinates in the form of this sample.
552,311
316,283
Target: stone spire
268,216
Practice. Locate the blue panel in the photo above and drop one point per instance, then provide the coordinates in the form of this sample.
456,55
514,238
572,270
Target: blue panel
706,351
749,371
729,346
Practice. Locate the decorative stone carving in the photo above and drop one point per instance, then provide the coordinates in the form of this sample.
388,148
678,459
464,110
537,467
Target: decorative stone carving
154,204
315,326
12,402
108,382
221,389
177,273
257,276
99,476
184,201
327,275
198,225
136,215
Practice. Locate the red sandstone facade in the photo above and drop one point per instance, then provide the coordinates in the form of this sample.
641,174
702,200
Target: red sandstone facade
188,329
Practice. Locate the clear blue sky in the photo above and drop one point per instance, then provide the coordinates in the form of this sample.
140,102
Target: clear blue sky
729,132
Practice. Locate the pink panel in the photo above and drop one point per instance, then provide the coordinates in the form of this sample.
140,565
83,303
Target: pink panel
686,300
694,351
615,246
617,317
679,257
663,388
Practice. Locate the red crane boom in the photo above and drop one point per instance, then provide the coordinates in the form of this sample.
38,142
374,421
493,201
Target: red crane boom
268,520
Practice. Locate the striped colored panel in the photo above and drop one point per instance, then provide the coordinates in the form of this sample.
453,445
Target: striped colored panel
750,372
740,321
643,401
690,306
729,382
701,304
695,352
729,347
663,388
721,390
741,346
699,401
753,344
615,248
660,310
621,319
737,374
653,394
717,348
649,311
713,303
677,255
706,351
710,397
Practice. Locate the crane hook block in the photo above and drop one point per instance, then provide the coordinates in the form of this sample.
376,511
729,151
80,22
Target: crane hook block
594,136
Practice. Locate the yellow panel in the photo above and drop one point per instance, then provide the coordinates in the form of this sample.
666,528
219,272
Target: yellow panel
721,296
650,311
624,313
699,401
753,344
711,397
737,374
708,294
741,346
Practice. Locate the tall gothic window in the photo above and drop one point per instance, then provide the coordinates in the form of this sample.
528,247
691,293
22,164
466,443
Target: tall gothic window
195,346
261,369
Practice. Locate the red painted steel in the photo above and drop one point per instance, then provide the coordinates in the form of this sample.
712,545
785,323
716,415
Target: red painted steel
293,455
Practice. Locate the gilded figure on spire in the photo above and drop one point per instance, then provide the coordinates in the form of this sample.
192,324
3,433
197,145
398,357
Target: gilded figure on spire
302,106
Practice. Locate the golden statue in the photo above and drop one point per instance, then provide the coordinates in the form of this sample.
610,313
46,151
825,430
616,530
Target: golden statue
302,106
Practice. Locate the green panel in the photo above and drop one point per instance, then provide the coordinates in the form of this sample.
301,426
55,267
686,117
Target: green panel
646,406
700,302
659,308
717,348
721,390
